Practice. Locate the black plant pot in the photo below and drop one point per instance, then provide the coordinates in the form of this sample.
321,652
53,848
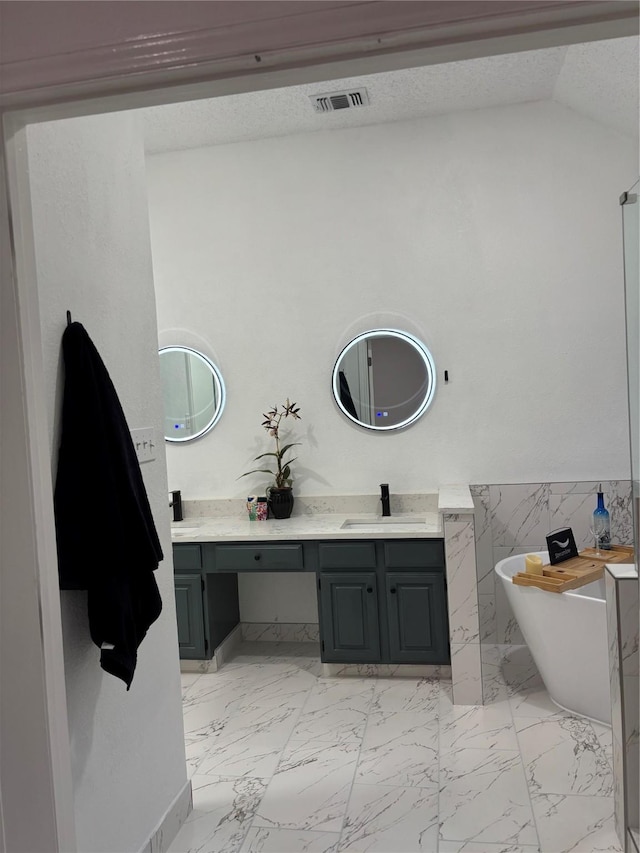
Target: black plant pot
280,502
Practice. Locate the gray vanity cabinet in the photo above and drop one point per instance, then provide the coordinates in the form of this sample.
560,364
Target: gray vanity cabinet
393,609
379,601
350,627
416,615
190,615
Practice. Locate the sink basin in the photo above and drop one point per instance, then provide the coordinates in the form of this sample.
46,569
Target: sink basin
388,522
184,531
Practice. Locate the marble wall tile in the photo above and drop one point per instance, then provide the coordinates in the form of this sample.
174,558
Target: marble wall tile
574,511
466,674
484,540
287,632
628,625
519,514
173,820
488,621
619,813
507,628
583,487
620,507
385,670
462,589
631,747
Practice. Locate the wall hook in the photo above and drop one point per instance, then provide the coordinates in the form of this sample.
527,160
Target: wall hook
69,318
446,376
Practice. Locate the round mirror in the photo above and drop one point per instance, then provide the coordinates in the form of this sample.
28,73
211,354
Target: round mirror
384,379
192,391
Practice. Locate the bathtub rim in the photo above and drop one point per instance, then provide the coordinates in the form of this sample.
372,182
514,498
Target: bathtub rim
572,593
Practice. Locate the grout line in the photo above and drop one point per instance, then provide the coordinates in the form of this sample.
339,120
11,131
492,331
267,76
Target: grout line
357,762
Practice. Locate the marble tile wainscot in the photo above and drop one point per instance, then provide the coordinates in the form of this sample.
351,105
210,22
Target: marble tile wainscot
457,507
515,518
621,582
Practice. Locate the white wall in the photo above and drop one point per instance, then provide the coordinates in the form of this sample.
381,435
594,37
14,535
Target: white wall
493,235
93,257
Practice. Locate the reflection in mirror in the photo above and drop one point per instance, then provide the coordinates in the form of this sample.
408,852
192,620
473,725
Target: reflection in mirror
192,391
384,379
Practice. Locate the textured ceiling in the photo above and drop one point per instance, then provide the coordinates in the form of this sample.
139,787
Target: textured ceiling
599,79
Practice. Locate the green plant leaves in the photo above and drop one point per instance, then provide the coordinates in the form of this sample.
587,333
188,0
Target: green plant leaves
258,471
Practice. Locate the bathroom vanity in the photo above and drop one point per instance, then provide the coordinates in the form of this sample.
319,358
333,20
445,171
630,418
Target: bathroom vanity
381,584
390,591
380,600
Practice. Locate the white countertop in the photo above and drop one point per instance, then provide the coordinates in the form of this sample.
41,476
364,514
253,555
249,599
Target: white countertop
317,526
622,571
455,500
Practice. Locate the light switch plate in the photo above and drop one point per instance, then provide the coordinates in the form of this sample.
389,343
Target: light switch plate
144,442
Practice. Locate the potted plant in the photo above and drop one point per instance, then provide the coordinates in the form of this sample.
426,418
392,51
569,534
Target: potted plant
280,494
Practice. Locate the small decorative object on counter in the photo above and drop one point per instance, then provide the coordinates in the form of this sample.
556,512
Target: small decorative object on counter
252,507
561,545
262,509
601,524
279,495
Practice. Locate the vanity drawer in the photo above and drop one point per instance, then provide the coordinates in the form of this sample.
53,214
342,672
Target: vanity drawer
249,558
347,555
187,558
414,554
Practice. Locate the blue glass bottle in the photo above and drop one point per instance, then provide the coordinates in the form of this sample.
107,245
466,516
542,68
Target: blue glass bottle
602,523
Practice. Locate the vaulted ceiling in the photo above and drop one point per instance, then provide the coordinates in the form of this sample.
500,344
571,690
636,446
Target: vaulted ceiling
598,79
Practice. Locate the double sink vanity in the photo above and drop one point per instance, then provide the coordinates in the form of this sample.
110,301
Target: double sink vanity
382,583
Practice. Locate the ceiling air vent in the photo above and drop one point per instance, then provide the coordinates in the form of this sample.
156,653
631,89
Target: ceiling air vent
339,100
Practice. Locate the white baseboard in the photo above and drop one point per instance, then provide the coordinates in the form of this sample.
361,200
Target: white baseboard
221,655
179,810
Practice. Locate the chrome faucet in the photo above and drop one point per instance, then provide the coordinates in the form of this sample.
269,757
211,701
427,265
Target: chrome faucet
384,499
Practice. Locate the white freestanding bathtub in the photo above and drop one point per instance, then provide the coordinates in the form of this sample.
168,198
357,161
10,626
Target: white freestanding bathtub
567,636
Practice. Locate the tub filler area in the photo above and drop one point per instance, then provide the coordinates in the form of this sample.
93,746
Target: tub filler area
567,636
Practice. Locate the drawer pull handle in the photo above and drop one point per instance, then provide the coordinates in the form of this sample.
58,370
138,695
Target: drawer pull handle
392,590
256,556
369,589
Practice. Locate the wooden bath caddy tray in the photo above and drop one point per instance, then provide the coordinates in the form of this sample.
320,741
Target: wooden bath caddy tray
575,572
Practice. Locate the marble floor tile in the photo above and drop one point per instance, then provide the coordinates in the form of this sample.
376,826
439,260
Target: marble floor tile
250,743
477,726
399,749
407,694
310,788
484,798
264,839
562,755
474,847
384,818
534,702
572,824
222,813
335,711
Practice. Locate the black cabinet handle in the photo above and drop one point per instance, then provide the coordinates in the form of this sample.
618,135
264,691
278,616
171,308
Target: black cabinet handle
369,589
256,556
393,590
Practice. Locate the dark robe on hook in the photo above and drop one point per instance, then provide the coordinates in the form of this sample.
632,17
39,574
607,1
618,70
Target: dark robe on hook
106,536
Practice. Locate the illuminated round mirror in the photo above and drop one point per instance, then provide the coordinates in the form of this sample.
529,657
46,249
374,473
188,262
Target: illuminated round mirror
192,391
384,379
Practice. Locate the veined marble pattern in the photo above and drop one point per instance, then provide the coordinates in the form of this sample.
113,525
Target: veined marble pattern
462,594
284,760
285,632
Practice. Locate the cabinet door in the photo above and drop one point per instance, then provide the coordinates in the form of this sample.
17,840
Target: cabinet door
190,616
350,630
417,614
